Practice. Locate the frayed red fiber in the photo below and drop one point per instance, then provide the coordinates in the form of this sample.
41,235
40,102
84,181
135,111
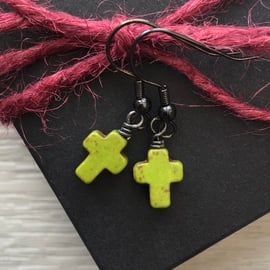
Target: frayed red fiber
74,32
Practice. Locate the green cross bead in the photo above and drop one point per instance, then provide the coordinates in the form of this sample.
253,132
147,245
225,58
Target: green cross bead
105,153
158,172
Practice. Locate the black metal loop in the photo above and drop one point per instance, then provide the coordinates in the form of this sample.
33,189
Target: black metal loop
170,133
130,120
166,130
158,133
130,124
110,39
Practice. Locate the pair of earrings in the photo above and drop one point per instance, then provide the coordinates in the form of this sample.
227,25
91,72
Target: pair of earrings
158,171
105,151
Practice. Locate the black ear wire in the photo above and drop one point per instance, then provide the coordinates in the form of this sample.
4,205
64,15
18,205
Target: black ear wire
111,37
142,104
184,39
167,111
156,28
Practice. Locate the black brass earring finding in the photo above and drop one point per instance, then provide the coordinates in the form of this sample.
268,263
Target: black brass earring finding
158,171
105,151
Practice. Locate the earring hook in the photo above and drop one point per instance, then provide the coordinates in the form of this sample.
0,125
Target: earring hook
110,39
186,40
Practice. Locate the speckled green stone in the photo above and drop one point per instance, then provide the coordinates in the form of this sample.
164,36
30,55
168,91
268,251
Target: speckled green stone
105,153
158,172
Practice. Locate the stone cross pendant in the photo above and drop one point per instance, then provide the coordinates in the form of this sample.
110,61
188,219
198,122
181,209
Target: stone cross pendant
105,153
158,172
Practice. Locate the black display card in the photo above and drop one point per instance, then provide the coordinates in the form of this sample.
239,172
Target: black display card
226,159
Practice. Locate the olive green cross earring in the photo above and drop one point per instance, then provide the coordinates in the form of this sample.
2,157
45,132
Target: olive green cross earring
159,171
105,151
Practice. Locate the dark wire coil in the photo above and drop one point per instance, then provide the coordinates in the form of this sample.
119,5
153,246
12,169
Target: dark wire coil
157,143
125,131
129,125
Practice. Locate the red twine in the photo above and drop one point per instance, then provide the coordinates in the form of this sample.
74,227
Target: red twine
92,34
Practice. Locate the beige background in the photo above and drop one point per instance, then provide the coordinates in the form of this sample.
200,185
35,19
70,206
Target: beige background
36,234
